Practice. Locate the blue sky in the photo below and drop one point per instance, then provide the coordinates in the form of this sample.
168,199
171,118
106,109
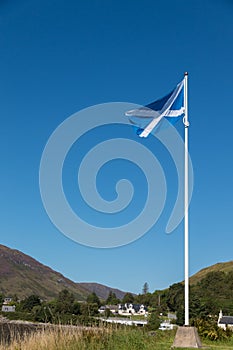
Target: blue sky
58,57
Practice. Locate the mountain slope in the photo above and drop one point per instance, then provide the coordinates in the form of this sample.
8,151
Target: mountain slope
22,275
224,267
101,290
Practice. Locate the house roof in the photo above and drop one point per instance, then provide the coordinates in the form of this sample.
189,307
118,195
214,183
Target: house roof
136,307
112,307
226,320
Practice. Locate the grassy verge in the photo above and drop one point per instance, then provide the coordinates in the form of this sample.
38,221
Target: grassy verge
72,338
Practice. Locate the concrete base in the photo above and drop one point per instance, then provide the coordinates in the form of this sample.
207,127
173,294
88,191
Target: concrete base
187,337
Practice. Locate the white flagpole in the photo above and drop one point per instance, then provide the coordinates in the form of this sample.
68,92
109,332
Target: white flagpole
186,202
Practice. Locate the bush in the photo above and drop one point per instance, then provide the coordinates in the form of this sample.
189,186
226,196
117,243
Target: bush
154,321
210,330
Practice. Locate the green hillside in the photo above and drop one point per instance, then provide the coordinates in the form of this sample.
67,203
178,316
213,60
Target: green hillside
223,267
211,290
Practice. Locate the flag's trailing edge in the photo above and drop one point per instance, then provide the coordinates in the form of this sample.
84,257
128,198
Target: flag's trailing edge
149,117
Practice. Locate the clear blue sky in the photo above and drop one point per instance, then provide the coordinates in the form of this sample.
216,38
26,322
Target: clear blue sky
58,57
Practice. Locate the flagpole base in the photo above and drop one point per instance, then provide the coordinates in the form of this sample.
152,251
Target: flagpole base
187,337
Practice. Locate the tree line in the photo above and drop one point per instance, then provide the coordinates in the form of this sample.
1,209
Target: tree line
207,297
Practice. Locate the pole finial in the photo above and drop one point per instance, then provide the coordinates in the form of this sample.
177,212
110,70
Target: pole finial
185,73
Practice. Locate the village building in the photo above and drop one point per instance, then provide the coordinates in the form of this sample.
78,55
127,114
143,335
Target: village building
128,309
7,300
8,308
225,321
125,309
112,308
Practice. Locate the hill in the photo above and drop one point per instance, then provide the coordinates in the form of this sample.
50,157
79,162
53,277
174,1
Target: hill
22,275
223,267
101,290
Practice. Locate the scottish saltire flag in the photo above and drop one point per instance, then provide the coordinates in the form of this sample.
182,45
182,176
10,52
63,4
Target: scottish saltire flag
149,117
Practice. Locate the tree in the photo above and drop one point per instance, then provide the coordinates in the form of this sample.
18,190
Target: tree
154,321
143,299
107,313
93,299
145,288
88,309
39,314
76,308
65,302
128,298
175,296
112,299
28,303
180,316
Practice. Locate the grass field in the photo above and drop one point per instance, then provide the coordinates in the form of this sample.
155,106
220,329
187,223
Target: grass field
101,339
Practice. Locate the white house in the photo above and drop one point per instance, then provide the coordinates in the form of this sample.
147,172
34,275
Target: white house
225,321
6,301
125,309
132,309
113,309
8,308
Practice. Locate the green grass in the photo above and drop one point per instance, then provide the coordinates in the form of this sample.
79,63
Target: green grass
73,338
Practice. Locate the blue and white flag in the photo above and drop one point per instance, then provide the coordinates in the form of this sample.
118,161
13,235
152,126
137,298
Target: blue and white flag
149,117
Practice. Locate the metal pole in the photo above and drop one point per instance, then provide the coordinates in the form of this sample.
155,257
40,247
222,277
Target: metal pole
186,202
